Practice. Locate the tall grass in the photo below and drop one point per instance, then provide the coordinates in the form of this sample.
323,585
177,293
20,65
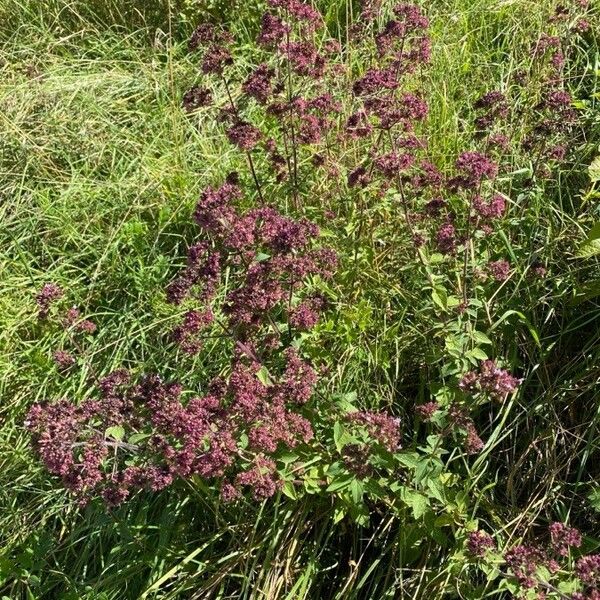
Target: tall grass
99,172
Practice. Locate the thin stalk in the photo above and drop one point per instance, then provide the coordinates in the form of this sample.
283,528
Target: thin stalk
248,154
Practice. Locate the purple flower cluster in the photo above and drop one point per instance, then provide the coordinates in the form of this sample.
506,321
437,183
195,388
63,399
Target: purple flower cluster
70,320
479,542
306,314
304,58
588,569
460,419
273,30
84,325
356,459
214,42
272,253
499,269
494,209
380,426
244,135
392,164
427,410
446,238
86,445
533,567
489,379
187,335
196,97
474,168
493,107
404,38
143,436
259,84
63,359
49,293
523,561
592,594
261,477
298,10
563,537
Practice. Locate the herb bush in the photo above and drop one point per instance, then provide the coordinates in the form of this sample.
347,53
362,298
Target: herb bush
363,320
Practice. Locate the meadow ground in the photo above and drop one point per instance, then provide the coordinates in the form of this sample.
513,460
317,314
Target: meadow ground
100,170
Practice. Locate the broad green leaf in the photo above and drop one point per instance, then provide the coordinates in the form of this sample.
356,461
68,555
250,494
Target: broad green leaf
289,490
263,376
440,297
339,512
338,432
594,170
416,501
288,457
340,483
437,491
591,246
356,489
478,353
346,401
594,499
481,338
409,459
116,432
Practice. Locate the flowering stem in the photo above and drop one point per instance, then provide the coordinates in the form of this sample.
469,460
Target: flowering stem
248,154
292,129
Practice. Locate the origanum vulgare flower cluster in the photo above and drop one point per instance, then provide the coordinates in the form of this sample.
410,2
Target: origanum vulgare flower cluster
143,435
544,566
489,379
253,275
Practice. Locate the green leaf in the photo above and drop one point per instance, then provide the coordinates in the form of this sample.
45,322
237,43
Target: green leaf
346,401
339,512
568,587
338,432
594,170
591,245
137,437
340,483
356,489
341,437
409,459
481,338
437,491
416,501
116,432
289,490
478,353
594,499
288,457
263,376
360,514
440,297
